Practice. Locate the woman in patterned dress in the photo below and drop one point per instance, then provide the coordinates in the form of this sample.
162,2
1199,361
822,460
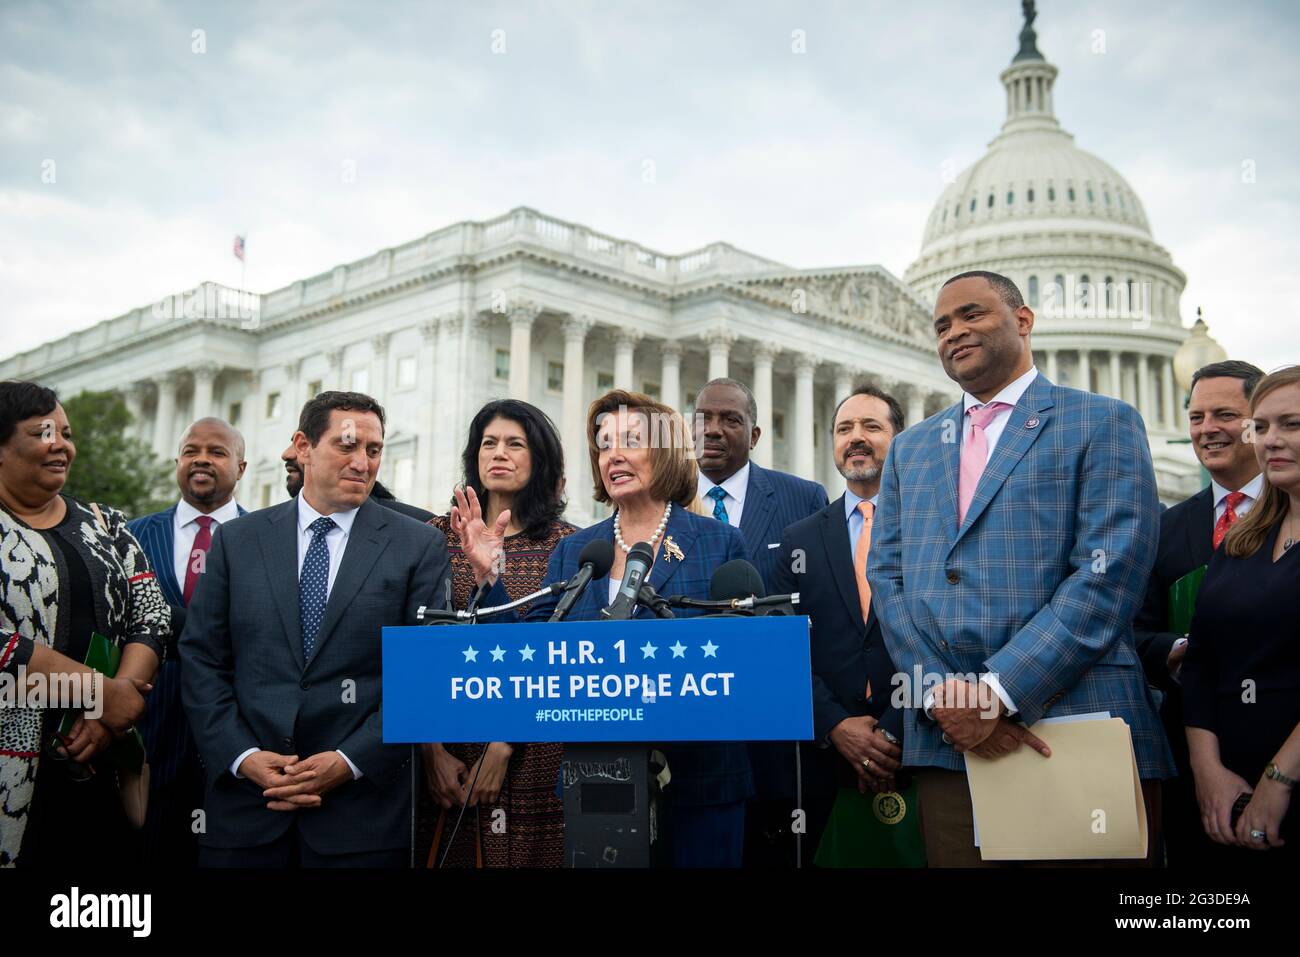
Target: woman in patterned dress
67,570
514,461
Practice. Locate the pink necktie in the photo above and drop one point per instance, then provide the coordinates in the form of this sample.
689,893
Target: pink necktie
975,454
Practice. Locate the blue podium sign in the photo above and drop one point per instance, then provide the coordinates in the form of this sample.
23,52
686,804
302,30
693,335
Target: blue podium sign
693,679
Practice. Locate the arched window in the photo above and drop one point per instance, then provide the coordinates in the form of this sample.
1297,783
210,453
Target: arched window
1011,197
1030,195
1090,194
1070,193
990,200
1051,194
1110,301
1085,291
1033,292
1106,196
972,204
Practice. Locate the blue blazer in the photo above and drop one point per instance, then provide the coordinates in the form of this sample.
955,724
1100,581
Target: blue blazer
703,773
164,728
1041,581
773,501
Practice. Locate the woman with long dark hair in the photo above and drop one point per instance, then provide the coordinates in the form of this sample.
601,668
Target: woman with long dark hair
514,461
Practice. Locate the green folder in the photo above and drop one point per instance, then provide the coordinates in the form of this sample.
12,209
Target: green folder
872,830
1182,600
127,752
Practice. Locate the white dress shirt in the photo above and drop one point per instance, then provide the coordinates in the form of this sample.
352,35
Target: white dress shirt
185,529
998,424
336,540
735,487
1251,490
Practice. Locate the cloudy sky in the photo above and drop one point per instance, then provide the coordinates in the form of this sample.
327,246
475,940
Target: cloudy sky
161,153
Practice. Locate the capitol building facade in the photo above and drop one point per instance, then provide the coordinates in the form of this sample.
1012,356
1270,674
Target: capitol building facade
534,307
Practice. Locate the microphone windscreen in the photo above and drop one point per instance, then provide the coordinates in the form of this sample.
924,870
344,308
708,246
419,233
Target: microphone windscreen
600,554
642,551
736,579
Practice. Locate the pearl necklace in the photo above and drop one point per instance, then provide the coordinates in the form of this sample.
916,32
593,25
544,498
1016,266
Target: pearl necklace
618,534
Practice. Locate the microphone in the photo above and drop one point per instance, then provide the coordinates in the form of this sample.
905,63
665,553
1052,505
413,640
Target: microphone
484,587
637,566
649,598
595,561
736,579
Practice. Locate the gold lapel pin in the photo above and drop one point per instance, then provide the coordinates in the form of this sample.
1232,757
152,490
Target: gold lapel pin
671,550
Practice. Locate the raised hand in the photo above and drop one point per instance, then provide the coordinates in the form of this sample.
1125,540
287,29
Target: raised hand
484,547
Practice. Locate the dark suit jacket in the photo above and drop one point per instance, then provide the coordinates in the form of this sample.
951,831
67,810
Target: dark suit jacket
1186,543
164,728
246,684
702,773
401,508
846,652
774,500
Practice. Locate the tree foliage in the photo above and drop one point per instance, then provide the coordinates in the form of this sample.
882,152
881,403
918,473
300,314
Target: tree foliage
112,468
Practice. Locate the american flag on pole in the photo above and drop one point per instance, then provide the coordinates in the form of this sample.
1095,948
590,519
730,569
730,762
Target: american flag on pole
239,248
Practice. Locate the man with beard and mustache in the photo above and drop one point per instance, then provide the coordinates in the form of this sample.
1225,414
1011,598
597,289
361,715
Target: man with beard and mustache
381,495
209,465
824,558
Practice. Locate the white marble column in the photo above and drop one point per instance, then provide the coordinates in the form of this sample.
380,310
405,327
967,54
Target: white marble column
205,376
670,374
1085,372
764,354
522,317
915,406
431,490
1144,387
334,380
573,427
843,382
1053,370
164,427
379,367
134,395
801,428
719,341
624,356
1171,401
1116,382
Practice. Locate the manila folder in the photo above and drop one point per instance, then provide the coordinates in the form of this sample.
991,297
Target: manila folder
1084,802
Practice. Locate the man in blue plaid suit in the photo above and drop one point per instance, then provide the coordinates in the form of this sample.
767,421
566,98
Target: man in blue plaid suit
1014,535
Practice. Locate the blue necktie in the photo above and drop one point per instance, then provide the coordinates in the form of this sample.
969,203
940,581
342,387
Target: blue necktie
313,584
718,493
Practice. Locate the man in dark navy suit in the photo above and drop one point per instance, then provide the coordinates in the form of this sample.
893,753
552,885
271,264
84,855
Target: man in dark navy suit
209,463
856,733
1217,411
758,501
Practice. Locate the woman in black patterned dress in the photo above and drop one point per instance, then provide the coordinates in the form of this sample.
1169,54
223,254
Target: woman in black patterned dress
67,571
514,461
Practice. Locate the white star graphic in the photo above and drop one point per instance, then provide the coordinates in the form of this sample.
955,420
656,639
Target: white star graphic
648,650
710,649
498,653
678,650
470,654
526,653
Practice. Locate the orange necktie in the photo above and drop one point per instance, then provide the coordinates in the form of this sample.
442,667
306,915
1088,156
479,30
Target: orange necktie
860,557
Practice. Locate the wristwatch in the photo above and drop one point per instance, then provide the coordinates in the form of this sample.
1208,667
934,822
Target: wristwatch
1272,772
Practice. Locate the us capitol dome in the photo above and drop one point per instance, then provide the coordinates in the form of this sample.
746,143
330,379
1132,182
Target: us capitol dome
1072,233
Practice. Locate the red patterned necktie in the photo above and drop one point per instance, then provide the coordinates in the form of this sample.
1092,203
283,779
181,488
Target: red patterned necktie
1230,501
198,555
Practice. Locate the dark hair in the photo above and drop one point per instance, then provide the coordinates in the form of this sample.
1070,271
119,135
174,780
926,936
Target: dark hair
22,400
751,403
315,418
380,490
1007,290
540,502
1231,369
862,388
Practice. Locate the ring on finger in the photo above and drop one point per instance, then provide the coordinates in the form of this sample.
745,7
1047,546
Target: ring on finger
1258,835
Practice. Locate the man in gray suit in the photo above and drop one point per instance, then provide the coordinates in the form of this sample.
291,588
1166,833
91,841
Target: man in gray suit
282,659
